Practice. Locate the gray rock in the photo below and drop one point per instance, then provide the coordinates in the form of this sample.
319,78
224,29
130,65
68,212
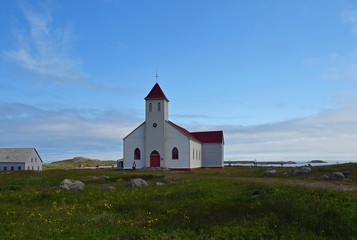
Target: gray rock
160,184
72,185
347,173
325,177
168,179
137,182
108,188
336,176
302,170
271,171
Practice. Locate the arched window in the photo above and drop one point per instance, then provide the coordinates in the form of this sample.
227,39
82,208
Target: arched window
159,107
137,154
175,153
150,107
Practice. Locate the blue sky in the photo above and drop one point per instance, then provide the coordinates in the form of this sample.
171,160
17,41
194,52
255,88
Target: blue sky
279,77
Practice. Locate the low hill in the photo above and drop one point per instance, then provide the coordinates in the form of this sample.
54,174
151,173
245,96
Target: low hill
78,162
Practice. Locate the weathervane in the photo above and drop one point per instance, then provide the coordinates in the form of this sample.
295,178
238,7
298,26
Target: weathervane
157,77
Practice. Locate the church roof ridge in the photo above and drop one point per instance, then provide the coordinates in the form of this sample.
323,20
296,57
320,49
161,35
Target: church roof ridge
209,136
156,93
184,131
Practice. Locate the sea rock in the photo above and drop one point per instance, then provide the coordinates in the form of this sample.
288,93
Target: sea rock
271,171
137,182
72,185
336,176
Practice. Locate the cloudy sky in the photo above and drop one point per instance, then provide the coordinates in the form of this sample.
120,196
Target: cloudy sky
278,77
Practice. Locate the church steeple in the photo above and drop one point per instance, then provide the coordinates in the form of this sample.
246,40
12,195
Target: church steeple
156,116
156,93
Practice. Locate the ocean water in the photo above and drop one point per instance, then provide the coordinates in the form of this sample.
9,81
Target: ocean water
296,164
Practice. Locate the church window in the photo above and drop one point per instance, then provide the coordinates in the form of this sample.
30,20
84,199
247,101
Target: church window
196,153
193,153
175,153
159,107
150,107
137,154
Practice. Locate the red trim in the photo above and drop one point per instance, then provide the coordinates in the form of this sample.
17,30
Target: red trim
184,169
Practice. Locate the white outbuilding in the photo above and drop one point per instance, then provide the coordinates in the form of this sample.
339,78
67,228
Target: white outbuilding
16,159
158,142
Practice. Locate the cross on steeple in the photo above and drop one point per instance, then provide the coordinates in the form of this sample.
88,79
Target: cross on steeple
157,77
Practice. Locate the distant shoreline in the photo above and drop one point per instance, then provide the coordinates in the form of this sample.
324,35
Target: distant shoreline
276,163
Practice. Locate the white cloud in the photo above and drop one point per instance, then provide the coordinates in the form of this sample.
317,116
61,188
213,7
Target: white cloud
42,50
330,135
65,132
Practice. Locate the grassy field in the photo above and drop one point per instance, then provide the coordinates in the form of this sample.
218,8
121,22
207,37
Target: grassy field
230,203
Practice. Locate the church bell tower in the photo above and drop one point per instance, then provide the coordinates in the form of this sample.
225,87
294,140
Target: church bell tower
156,115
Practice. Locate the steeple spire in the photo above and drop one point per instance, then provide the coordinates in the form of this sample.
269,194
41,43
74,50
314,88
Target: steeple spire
156,93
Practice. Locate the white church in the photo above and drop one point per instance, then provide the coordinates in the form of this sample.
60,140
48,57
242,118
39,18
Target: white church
160,143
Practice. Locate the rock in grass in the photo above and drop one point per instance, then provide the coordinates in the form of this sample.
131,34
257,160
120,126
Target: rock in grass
108,188
72,185
347,173
336,176
137,182
160,184
271,172
302,170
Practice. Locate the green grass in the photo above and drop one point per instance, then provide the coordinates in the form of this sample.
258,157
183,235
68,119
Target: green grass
202,204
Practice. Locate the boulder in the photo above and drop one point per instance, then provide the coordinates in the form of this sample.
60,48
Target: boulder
160,184
271,171
347,173
137,182
168,179
72,185
302,170
336,176
108,188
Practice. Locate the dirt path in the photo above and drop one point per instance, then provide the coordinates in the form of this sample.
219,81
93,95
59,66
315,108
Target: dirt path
297,182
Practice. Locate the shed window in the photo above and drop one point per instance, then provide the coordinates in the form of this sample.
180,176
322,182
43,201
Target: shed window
137,154
175,153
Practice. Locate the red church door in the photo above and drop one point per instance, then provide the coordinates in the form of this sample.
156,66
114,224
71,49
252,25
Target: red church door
154,159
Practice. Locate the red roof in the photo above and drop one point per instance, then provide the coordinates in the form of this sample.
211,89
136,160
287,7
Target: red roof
209,137
184,131
156,93
202,137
